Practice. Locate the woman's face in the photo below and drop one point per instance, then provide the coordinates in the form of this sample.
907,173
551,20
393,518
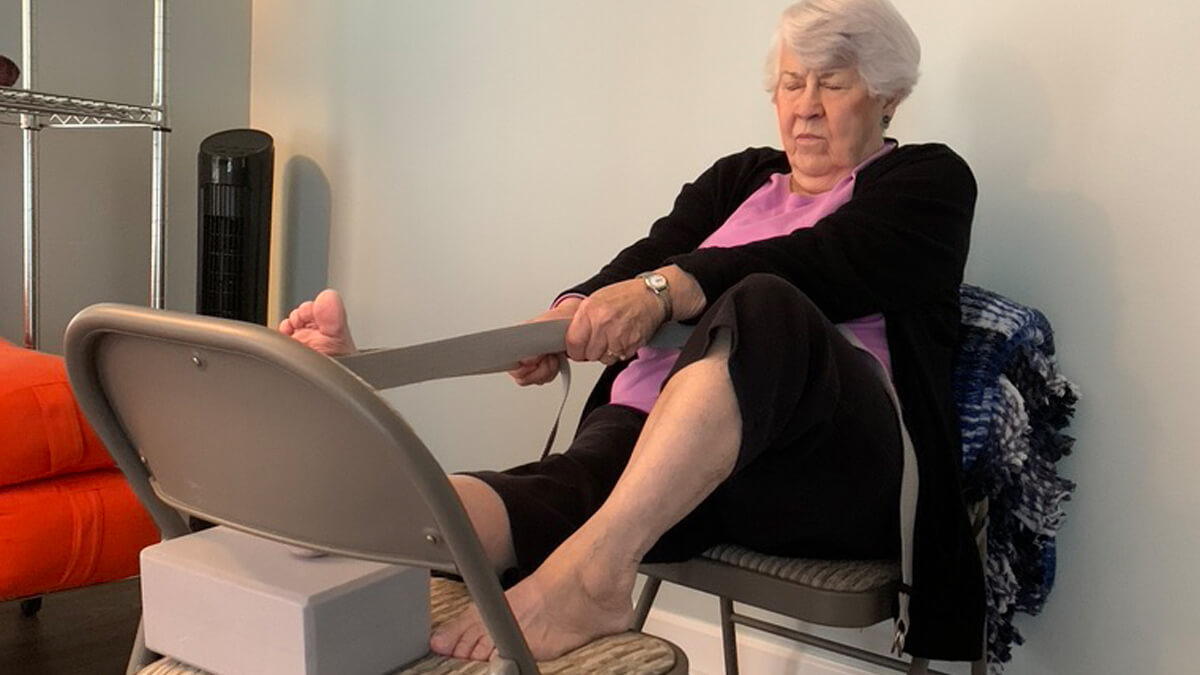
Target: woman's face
827,121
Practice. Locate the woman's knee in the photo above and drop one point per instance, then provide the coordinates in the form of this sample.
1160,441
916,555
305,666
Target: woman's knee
769,292
768,301
489,517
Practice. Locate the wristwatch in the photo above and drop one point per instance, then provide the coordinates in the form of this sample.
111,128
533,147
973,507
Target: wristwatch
658,285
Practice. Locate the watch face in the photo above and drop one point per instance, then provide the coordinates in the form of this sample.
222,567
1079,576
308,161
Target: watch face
657,282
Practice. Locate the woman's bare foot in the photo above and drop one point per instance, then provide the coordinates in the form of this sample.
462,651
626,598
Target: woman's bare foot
580,593
321,324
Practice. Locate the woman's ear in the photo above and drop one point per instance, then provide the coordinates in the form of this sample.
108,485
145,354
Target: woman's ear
889,106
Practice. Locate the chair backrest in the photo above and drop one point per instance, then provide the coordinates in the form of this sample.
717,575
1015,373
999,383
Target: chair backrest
239,425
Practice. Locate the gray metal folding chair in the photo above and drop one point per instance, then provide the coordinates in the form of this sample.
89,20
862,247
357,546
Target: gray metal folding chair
1007,386
238,425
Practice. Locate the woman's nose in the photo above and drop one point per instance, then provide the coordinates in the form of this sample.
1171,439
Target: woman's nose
808,104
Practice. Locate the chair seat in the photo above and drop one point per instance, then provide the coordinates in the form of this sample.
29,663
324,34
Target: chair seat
845,593
622,654
845,576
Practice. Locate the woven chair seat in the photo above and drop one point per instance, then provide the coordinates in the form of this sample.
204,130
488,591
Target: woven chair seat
846,576
622,654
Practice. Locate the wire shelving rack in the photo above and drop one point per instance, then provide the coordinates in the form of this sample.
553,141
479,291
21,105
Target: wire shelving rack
34,111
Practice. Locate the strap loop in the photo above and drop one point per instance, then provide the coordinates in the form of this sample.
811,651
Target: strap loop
564,373
909,485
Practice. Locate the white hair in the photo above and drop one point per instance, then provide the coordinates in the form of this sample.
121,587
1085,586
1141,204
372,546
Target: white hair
867,34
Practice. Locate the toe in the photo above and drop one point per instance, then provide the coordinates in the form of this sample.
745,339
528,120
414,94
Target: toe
483,649
468,640
442,644
445,638
328,312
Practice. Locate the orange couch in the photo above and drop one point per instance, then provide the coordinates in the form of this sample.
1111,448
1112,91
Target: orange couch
67,517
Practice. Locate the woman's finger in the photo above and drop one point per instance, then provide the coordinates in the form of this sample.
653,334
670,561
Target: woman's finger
598,342
520,374
546,371
538,370
578,336
539,378
597,349
523,370
529,362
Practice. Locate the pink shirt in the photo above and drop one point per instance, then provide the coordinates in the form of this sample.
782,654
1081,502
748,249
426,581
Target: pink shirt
772,211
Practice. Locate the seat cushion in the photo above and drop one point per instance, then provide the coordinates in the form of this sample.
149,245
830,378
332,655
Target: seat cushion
847,576
44,433
69,532
626,653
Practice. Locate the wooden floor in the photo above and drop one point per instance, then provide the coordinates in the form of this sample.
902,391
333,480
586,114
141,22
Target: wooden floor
88,631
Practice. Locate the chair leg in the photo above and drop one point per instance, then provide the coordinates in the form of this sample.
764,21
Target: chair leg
979,516
31,606
919,666
139,656
645,601
728,636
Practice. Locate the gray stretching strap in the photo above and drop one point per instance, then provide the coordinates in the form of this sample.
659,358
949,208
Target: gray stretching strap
492,351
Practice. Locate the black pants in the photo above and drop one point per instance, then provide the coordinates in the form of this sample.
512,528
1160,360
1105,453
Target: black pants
818,470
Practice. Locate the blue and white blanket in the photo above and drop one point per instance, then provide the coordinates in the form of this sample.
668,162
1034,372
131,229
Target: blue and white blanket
1014,404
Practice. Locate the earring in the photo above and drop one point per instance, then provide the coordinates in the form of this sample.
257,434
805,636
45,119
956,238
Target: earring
887,119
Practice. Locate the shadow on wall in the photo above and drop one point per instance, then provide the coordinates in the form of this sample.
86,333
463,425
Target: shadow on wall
1054,250
306,227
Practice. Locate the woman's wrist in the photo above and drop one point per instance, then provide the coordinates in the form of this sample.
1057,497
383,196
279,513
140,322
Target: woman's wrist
687,297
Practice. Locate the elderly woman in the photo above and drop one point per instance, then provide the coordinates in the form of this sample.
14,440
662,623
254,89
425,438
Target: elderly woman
769,428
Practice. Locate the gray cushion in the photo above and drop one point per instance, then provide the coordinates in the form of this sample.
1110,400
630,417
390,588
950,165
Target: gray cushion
848,576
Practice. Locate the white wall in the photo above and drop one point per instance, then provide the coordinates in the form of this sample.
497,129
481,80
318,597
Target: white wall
95,188
463,161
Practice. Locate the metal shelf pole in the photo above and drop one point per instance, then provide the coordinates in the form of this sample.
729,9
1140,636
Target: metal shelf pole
38,110
29,191
158,163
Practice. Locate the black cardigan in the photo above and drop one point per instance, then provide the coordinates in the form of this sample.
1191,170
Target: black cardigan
897,247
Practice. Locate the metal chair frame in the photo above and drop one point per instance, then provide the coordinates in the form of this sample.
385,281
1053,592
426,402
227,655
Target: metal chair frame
238,425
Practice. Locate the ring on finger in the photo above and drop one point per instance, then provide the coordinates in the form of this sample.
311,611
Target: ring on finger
613,355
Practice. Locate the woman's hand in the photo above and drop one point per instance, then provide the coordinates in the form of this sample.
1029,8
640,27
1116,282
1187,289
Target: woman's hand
617,320
321,324
608,326
544,367
614,322
611,324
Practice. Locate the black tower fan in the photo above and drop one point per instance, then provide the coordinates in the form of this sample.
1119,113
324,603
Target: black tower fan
236,171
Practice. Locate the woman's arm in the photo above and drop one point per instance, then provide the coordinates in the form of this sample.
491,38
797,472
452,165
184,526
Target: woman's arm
901,241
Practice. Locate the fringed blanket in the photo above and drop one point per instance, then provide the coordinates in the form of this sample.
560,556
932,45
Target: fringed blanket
1014,405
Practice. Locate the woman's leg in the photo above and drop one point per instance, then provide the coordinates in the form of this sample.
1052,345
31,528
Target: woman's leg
790,367
582,591
489,517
